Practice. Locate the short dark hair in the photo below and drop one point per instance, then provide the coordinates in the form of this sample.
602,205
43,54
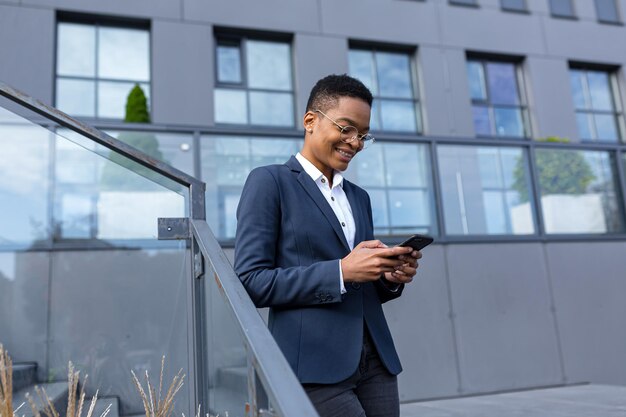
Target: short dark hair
327,91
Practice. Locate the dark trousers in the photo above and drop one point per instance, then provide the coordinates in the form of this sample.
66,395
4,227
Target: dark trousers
370,392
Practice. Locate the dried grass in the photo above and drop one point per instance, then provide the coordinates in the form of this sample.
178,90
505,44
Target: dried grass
6,384
153,403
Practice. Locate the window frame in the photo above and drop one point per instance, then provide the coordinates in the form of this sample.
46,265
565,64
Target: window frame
618,14
517,62
98,22
240,39
411,53
616,99
523,10
573,16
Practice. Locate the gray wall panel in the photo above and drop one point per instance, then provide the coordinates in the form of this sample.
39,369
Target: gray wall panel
316,57
24,296
116,311
182,73
444,90
271,15
403,22
550,97
579,40
27,42
137,8
505,328
422,331
589,282
491,30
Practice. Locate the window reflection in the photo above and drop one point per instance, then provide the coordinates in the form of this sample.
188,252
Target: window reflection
389,77
258,91
562,8
91,81
607,11
497,103
398,180
578,191
596,112
485,190
226,163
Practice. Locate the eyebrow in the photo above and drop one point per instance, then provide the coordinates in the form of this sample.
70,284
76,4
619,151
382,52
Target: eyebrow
352,123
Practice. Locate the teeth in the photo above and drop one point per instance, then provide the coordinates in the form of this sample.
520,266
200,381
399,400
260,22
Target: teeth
346,154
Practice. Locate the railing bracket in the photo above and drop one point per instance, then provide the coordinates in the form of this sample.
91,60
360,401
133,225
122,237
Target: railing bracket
174,228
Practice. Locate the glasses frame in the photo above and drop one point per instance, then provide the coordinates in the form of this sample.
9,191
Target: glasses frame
365,139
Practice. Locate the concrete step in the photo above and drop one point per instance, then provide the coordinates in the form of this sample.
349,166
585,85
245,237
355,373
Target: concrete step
56,391
24,374
101,406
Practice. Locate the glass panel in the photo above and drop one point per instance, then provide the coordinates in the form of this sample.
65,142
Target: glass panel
578,85
271,109
583,121
394,75
476,78
172,148
361,64
405,205
226,163
231,106
607,10
605,127
578,191
228,64
463,2
76,97
53,188
502,83
485,190
600,90
113,96
123,54
76,50
269,65
562,8
482,121
514,5
398,116
509,122
375,116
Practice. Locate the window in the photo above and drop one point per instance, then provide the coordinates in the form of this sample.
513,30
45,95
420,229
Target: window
578,191
254,83
562,8
607,11
514,5
464,2
485,190
598,114
397,176
226,163
97,66
389,76
498,105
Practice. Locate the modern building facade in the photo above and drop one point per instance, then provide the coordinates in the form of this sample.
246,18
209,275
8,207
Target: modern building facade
499,130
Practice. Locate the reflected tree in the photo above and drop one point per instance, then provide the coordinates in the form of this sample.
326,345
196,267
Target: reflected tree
560,171
115,174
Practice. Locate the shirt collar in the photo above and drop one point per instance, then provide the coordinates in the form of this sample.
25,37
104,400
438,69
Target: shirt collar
316,174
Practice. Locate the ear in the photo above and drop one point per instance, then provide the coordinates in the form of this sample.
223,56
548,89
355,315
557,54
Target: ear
308,121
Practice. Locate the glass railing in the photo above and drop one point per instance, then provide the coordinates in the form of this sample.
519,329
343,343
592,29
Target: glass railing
89,273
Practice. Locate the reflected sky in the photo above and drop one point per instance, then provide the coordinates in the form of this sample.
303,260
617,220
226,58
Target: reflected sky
124,54
228,64
269,65
76,50
502,83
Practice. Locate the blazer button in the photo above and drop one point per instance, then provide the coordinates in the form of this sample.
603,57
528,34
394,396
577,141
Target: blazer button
355,285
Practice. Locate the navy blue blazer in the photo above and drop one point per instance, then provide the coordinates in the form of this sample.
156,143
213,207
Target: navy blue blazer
287,252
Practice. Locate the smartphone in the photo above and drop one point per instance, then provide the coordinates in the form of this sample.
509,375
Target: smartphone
417,242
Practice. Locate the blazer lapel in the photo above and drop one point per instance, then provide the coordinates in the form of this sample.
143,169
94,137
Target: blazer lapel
316,195
357,212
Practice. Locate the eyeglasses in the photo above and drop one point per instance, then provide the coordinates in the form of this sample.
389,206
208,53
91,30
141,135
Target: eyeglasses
349,133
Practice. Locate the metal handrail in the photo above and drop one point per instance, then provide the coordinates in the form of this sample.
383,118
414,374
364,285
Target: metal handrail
271,366
196,187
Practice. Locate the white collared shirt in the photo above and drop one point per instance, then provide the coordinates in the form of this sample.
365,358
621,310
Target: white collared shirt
336,199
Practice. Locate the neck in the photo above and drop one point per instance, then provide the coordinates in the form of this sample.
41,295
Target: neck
326,171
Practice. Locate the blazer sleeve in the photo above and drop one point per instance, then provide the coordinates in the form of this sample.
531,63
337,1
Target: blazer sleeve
385,293
256,246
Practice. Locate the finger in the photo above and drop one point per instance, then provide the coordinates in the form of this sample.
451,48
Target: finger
372,244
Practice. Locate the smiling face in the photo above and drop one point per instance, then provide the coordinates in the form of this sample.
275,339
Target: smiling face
322,143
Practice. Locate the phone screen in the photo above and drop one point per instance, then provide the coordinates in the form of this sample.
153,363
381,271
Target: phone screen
417,242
